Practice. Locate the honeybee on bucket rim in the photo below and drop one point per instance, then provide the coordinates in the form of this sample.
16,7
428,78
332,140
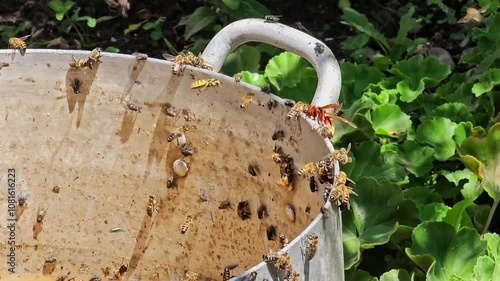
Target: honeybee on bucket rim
134,106
177,133
94,57
205,83
152,205
327,131
226,275
297,109
310,246
18,44
188,221
284,240
309,168
78,64
246,100
342,156
251,277
340,194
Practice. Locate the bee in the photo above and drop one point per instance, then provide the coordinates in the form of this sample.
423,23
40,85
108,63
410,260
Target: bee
247,99
325,212
313,185
169,110
266,89
278,134
289,103
300,27
327,131
342,178
284,181
140,56
284,240
152,205
271,103
270,257
237,77
340,194
177,133
170,182
75,84
134,106
271,232
341,155
308,168
78,64
295,276
3,64
41,214
311,246
225,204
284,263
121,270
251,277
187,150
262,211
473,15
21,199
95,278
226,275
253,169
272,18
205,83
319,48
18,44
244,210
186,224
94,57
297,109
186,58
325,170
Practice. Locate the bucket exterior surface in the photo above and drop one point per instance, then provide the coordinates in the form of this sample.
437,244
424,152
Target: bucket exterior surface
107,159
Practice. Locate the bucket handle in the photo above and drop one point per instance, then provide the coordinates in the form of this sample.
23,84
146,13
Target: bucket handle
284,37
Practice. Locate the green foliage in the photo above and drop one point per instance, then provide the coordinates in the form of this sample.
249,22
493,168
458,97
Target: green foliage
9,31
62,10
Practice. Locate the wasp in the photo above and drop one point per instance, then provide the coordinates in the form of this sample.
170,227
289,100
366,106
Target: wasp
246,100
186,224
226,275
278,134
310,246
177,133
18,44
271,232
319,48
340,193
152,205
205,83
41,214
78,64
244,210
75,84
284,240
272,18
341,155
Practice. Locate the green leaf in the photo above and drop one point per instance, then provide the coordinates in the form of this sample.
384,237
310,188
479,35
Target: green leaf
372,228
232,4
199,20
433,212
155,34
444,253
359,275
59,16
486,83
458,217
416,158
148,25
243,58
134,27
305,89
438,133
246,9
355,42
376,168
397,275
355,80
470,190
351,243
422,195
388,120
56,5
455,111
112,50
253,78
91,22
487,39
360,22
484,269
285,70
406,24
418,73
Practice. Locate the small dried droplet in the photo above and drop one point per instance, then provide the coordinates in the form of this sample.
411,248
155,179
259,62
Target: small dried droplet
244,210
262,211
253,170
180,168
271,232
290,213
56,189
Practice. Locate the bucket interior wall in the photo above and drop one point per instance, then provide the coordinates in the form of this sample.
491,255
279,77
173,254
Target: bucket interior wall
108,159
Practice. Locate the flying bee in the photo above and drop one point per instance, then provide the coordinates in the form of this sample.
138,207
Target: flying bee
297,109
272,18
226,204
18,44
226,275
21,199
78,64
284,240
75,84
340,194
186,224
319,48
41,214
473,15
341,155
253,169
266,89
251,277
308,169
237,77
262,211
310,246
152,205
278,134
271,232
177,133
244,210
205,83
313,185
246,100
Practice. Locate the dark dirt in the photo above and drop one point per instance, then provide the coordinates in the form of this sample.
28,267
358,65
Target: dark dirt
321,18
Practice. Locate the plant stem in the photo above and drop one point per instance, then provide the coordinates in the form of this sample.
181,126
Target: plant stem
490,217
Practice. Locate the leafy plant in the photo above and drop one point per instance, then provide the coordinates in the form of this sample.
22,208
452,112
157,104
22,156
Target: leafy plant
61,8
9,31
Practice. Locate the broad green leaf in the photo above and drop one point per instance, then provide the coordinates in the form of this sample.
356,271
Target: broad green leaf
422,195
199,20
444,253
433,212
355,80
304,90
359,275
486,83
488,267
148,25
245,9
418,73
243,58
406,24
285,70
382,98
438,133
376,167
372,228
355,42
416,158
493,246
112,50
232,4
388,120
479,214
253,78
462,131
457,112
457,216
484,269
487,39
91,22
345,133
351,243
470,190
59,16
397,275
360,22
